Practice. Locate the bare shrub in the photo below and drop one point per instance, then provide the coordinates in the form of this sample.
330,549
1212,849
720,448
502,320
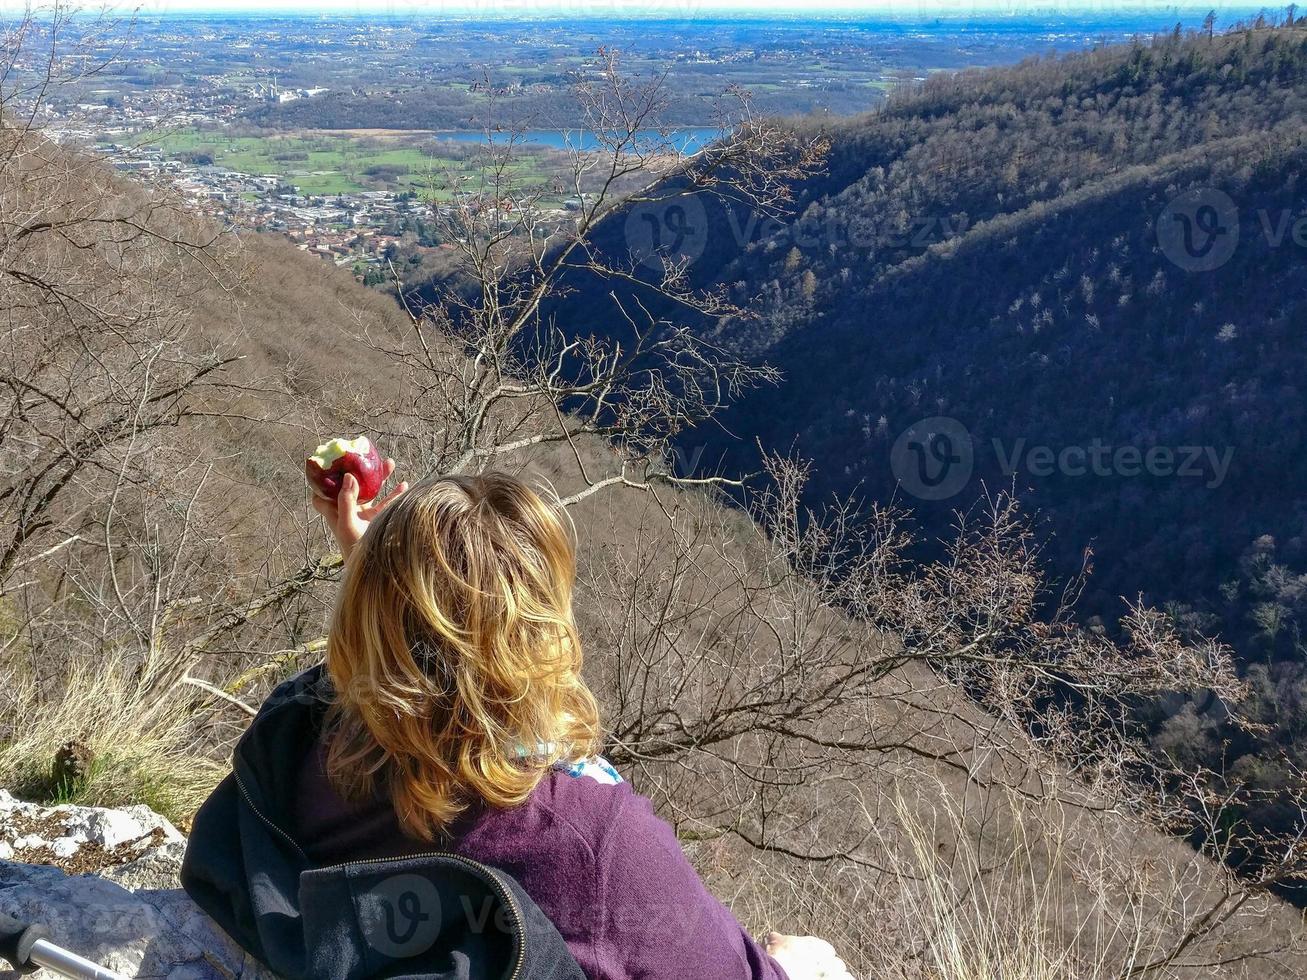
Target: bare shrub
813,759
485,374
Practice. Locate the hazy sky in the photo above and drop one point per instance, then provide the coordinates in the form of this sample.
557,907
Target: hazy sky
543,8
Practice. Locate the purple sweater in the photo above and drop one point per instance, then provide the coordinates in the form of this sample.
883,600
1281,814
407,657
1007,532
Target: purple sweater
606,870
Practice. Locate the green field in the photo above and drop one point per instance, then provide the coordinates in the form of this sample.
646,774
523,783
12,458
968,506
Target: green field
326,164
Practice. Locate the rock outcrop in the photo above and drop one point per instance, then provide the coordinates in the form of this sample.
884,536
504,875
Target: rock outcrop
105,883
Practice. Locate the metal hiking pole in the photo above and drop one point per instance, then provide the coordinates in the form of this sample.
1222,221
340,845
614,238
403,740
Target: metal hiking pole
25,945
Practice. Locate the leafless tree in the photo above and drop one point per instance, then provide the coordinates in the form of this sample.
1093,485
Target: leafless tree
493,374
112,539
775,678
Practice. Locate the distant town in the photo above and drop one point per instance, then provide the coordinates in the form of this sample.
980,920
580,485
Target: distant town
358,228
335,131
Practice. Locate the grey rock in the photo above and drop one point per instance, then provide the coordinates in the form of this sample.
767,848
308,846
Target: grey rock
157,868
131,916
62,832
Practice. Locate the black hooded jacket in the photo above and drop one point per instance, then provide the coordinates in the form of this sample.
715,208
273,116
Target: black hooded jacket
428,917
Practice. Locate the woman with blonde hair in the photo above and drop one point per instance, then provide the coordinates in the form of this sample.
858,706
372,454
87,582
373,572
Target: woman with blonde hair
455,722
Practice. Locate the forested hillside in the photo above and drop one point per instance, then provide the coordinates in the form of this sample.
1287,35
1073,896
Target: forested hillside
828,721
992,282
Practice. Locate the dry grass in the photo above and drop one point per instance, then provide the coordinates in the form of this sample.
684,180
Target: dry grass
962,882
1005,911
144,752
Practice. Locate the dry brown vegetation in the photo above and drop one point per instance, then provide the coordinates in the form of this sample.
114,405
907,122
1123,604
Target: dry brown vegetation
930,766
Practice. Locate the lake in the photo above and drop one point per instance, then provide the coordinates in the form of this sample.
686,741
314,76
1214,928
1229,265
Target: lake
689,140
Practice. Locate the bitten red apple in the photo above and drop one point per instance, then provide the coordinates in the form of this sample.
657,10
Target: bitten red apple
327,467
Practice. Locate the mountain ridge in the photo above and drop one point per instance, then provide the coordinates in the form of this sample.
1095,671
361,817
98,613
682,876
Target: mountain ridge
1000,257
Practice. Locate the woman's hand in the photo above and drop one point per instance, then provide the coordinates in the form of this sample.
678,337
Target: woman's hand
807,958
345,517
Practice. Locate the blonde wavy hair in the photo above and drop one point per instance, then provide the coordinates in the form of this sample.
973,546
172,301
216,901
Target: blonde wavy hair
454,653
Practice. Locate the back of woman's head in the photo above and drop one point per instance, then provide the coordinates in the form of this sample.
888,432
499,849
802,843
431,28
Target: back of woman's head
454,652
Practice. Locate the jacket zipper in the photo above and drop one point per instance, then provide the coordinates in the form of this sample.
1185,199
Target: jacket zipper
258,813
500,887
